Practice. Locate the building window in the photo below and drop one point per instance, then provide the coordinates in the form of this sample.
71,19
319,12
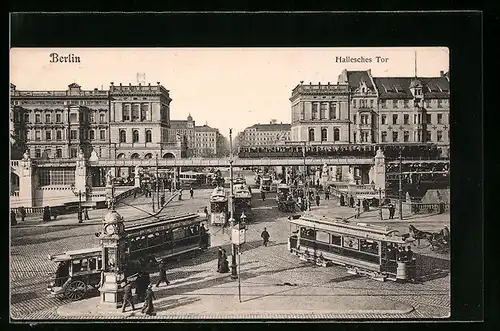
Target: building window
395,136
91,134
406,136
102,135
354,136
27,118
48,135
73,134
56,176
102,119
324,134
149,137
440,136
333,110
354,103
354,119
372,102
439,103
383,103
384,136
135,112
439,118
395,103
38,154
47,118
144,112
406,104
428,104
73,153
123,136
314,112
428,118
336,134
311,134
135,136
58,118
406,119
428,136
322,110
384,119
38,135
364,119
38,118
394,119
58,153
91,117
58,135
126,114
73,118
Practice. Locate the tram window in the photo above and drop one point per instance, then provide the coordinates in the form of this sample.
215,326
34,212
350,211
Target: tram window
178,233
350,242
93,263
336,240
368,246
154,239
307,233
167,236
99,263
323,236
76,266
85,265
195,230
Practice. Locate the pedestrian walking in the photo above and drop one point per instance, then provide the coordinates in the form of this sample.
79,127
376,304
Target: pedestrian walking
127,297
317,182
265,236
148,307
46,214
327,194
317,199
191,192
224,263
140,286
358,208
219,260
392,210
22,212
263,195
205,210
162,200
342,200
204,236
135,193
86,214
162,275
351,202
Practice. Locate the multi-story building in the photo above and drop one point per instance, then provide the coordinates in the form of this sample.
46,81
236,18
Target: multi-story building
398,109
320,113
208,141
264,134
186,129
124,122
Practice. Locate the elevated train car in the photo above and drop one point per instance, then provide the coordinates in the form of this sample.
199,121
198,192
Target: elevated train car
362,248
242,202
219,207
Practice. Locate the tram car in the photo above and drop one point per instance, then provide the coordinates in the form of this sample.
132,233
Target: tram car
362,248
79,272
218,207
265,183
284,198
243,202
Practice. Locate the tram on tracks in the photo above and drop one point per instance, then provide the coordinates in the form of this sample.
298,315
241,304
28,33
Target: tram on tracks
219,207
242,201
362,248
265,183
79,272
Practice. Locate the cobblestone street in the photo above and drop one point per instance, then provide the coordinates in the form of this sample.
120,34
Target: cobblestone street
270,276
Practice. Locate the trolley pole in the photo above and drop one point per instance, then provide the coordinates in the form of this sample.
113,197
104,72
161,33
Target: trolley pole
400,192
306,180
234,272
157,185
380,203
80,217
239,273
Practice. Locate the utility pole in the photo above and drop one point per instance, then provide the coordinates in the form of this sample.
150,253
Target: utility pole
80,218
157,185
400,192
380,203
306,180
234,272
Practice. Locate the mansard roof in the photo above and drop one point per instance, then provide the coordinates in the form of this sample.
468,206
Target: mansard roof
399,87
271,127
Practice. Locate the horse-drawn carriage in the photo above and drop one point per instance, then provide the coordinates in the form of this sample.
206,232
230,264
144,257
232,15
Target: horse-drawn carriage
439,240
284,198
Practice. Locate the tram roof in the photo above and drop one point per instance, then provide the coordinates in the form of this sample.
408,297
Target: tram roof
163,221
344,227
71,255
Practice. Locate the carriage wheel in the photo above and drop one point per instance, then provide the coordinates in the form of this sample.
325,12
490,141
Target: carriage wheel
75,290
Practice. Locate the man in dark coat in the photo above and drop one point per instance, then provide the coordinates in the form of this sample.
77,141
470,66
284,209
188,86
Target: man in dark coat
162,275
392,210
86,214
127,297
191,192
342,200
204,236
351,202
46,214
263,195
265,236
162,200
22,212
317,199
148,307
327,194
224,263
219,259
141,284
13,220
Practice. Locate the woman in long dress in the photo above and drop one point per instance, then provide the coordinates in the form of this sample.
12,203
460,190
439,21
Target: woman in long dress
148,307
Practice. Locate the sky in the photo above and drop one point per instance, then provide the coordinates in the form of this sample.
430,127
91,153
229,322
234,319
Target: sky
222,87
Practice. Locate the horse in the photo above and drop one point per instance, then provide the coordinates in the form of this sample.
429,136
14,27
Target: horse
418,234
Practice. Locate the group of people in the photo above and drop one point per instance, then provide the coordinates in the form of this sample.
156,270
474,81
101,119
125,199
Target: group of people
21,211
401,253
364,204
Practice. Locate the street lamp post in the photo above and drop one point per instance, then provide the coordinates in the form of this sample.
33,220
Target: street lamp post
306,180
234,272
400,191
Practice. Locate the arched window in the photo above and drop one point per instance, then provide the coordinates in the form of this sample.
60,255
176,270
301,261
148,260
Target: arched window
120,156
311,134
336,134
123,136
324,134
135,136
148,156
149,136
134,156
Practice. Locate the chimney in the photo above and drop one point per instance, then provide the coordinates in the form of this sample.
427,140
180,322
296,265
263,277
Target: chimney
158,83
369,72
441,73
112,83
129,84
120,84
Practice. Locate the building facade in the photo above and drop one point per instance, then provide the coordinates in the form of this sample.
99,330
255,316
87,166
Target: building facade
123,122
186,129
264,134
208,142
320,113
